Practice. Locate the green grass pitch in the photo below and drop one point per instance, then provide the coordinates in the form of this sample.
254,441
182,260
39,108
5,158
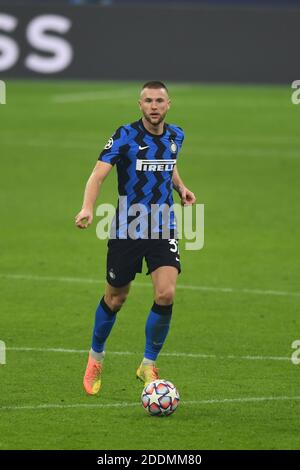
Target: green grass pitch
236,310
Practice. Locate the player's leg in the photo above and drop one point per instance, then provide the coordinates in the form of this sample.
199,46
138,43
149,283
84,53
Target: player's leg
105,318
123,261
158,321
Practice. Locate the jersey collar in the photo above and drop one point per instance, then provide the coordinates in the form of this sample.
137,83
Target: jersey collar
150,133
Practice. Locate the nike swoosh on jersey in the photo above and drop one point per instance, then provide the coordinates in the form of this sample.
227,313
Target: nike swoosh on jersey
143,148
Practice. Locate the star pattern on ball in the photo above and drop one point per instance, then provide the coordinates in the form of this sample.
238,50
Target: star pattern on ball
172,393
154,398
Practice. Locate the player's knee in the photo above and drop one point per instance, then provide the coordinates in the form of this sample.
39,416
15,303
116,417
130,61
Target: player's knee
115,301
165,296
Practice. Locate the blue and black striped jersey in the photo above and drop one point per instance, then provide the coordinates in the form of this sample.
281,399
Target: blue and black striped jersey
145,163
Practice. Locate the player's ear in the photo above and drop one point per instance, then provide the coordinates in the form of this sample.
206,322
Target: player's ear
169,104
139,103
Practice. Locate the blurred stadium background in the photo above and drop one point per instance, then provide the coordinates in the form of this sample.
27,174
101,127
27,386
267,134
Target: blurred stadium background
72,71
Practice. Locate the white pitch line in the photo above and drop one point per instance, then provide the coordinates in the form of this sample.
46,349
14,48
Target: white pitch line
92,96
200,102
46,144
245,152
244,139
240,400
84,280
170,354
48,406
205,151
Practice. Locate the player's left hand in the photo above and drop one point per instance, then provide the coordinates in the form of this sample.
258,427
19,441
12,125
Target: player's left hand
187,197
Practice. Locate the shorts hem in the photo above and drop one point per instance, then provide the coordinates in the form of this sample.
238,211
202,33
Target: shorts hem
117,284
153,268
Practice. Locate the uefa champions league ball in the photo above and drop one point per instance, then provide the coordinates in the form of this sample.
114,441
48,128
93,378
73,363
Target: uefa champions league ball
160,398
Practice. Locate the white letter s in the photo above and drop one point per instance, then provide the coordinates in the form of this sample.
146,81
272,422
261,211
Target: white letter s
60,48
9,50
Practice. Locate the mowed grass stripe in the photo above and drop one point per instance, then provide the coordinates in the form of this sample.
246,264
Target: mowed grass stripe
29,277
166,354
221,401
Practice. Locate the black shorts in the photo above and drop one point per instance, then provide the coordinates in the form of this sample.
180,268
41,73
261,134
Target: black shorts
125,258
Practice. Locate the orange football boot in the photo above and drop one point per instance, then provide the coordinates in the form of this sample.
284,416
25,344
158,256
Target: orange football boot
92,376
147,373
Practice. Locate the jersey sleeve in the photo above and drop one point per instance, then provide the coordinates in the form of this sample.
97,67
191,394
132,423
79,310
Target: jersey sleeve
179,139
176,135
181,136
114,147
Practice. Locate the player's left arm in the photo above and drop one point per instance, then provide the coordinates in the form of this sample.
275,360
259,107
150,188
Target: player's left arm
187,197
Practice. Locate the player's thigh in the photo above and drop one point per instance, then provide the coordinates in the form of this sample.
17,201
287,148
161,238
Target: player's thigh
164,281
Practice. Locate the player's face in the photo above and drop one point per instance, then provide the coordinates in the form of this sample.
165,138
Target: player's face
154,104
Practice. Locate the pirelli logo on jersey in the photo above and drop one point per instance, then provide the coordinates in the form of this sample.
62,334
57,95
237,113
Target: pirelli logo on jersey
155,165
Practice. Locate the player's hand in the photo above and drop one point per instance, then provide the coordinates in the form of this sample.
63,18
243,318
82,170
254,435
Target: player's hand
187,197
84,218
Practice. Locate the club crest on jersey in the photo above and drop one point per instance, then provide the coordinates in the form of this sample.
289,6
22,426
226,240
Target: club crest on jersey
109,144
173,147
155,165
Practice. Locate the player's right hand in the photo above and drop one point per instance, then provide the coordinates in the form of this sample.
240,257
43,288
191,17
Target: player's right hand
84,218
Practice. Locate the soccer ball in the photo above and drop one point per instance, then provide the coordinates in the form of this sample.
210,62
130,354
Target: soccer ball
160,398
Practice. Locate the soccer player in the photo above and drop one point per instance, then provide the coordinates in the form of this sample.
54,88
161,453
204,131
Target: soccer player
145,154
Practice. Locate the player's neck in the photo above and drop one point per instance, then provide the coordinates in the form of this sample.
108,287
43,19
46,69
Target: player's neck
157,130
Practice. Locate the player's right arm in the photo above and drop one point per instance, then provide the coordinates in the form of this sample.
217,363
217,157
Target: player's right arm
85,217
109,156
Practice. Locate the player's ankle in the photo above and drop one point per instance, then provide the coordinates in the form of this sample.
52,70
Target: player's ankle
99,356
147,362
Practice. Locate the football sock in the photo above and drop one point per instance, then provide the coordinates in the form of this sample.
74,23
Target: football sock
104,321
146,362
157,327
98,356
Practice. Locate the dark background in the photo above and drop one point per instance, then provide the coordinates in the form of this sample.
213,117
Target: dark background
179,43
